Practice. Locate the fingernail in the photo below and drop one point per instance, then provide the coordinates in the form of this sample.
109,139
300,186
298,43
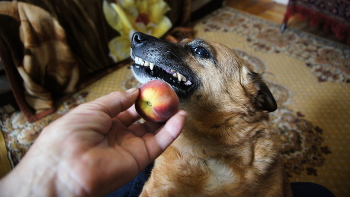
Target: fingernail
182,113
131,90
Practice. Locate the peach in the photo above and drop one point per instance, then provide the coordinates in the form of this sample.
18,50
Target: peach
157,101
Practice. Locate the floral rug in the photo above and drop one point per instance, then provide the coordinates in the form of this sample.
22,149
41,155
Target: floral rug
309,77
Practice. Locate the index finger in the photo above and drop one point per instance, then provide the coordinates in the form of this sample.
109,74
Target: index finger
113,103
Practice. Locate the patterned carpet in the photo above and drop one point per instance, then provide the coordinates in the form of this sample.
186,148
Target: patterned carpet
309,77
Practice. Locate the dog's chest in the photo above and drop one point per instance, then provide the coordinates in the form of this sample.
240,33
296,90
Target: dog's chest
220,174
195,166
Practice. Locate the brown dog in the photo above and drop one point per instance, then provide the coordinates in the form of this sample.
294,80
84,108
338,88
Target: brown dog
227,147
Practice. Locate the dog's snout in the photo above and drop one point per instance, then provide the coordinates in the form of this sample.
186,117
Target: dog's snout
138,38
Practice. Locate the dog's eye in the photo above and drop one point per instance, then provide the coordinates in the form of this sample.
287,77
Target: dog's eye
201,52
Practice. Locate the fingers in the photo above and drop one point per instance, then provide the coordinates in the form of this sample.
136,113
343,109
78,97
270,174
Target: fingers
113,103
129,116
171,130
166,135
148,127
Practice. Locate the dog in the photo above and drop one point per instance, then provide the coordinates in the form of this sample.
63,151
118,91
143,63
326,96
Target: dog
227,147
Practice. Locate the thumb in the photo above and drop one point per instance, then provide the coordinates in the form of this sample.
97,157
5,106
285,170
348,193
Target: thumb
171,129
166,135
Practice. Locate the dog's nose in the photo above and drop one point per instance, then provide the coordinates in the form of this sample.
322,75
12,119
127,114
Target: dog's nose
139,38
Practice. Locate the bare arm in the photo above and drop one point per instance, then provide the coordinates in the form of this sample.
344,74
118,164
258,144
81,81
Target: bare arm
92,150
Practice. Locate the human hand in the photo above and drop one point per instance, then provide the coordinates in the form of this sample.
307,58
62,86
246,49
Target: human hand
94,149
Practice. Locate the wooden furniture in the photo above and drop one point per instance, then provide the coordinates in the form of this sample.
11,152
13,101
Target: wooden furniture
334,15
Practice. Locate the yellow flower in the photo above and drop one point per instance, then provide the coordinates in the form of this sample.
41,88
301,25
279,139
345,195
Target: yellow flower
129,16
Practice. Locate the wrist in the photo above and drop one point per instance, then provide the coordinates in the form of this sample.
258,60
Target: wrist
39,174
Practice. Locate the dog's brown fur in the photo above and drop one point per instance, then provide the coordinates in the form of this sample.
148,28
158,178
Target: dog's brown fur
227,147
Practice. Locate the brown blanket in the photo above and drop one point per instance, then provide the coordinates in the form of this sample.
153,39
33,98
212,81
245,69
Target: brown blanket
52,48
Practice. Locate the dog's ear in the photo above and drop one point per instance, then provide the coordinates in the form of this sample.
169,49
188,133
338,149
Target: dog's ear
256,87
264,99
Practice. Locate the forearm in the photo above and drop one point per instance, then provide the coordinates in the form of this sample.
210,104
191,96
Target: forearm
37,175
27,183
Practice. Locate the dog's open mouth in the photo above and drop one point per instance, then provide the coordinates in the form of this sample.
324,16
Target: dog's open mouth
171,76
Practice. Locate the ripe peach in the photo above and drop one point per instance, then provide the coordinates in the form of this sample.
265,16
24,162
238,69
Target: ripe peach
157,101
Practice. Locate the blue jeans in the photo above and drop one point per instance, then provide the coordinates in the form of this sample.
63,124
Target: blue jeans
300,189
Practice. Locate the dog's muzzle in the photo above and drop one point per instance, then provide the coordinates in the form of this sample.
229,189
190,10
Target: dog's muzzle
158,59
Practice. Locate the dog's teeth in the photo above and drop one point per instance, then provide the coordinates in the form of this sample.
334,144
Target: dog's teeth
146,64
175,74
138,61
173,71
179,76
151,66
184,78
